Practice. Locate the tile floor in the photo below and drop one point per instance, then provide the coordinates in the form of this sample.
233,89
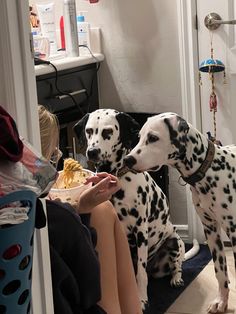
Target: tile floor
195,299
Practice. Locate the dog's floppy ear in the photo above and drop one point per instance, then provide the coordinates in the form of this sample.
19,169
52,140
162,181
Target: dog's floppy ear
178,130
183,129
79,129
129,129
182,125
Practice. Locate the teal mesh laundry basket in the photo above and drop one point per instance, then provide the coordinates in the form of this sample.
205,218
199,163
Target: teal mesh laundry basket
16,257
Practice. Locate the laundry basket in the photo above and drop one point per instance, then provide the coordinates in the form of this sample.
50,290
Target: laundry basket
16,257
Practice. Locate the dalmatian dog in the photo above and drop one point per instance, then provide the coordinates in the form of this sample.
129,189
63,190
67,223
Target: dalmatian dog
142,207
167,139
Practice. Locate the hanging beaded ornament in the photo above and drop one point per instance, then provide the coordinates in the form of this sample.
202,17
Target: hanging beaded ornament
212,66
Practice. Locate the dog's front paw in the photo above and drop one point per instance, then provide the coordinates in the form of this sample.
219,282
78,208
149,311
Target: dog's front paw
218,306
144,305
176,280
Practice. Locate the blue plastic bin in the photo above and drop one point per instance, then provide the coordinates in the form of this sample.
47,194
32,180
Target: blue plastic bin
16,257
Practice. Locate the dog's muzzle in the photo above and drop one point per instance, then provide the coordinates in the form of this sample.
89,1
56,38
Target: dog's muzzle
129,161
93,154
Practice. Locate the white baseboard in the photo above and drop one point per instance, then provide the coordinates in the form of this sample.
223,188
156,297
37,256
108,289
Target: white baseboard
183,232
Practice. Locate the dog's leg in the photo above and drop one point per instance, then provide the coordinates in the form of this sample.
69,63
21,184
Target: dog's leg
168,260
213,235
232,237
142,278
212,231
176,259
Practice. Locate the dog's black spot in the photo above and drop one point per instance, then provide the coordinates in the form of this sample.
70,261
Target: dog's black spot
161,204
120,194
219,243
233,240
152,234
123,211
139,221
127,178
207,217
214,255
133,212
140,239
119,155
230,199
224,205
143,194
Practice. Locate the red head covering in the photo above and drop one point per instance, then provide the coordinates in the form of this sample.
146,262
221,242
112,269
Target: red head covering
11,147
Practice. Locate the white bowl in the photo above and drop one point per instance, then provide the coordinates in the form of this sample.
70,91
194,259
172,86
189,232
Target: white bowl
70,195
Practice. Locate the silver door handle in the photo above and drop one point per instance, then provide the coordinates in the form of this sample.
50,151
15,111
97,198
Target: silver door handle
213,21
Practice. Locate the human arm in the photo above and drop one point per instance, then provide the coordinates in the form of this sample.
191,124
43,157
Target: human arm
105,185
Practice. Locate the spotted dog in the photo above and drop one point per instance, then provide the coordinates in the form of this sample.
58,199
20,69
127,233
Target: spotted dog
167,139
156,248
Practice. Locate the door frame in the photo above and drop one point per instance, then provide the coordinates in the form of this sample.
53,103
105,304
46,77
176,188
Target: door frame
191,104
21,101
19,98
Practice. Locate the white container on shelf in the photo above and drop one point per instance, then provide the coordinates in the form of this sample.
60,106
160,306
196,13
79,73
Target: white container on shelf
41,47
83,35
70,28
95,40
46,13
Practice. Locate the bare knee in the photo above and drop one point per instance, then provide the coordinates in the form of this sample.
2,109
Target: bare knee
104,212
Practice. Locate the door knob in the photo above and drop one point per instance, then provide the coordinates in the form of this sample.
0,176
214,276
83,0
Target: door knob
213,21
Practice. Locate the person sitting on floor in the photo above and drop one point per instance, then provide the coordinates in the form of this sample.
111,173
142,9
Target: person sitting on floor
82,281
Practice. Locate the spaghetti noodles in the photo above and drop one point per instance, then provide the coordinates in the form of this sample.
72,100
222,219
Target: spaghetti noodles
72,167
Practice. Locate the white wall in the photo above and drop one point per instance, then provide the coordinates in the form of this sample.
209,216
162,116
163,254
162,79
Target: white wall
141,71
140,42
2,85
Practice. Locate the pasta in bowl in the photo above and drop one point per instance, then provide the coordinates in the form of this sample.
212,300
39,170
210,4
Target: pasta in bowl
70,182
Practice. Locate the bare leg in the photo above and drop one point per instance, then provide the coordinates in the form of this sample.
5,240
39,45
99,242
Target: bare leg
118,284
127,286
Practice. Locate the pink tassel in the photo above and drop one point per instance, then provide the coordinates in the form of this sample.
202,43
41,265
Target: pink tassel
213,102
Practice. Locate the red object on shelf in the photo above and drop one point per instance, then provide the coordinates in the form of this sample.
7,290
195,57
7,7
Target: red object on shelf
93,1
62,33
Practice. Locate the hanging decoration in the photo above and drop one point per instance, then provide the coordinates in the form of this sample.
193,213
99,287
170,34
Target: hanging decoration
212,66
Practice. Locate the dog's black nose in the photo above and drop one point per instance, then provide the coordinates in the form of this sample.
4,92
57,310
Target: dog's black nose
93,154
129,161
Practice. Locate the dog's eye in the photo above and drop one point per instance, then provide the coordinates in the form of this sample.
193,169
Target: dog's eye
152,138
106,133
89,131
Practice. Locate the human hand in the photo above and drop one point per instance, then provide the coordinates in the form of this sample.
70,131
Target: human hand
105,185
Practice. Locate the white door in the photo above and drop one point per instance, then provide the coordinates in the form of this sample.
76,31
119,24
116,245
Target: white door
224,49
195,46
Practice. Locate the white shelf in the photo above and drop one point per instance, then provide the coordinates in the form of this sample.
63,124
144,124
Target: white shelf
67,63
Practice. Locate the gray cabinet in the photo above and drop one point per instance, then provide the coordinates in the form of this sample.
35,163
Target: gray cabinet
70,94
